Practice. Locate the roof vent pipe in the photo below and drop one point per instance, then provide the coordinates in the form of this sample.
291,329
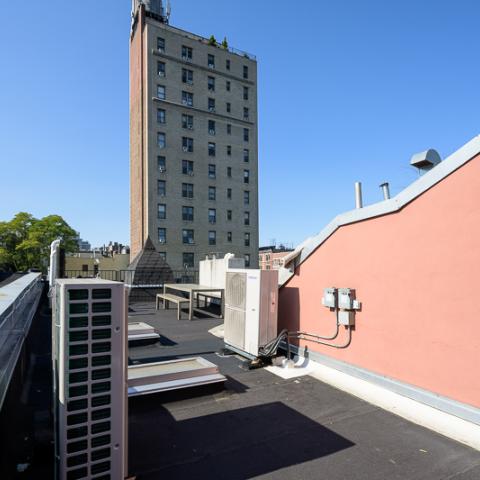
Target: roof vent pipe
386,190
358,195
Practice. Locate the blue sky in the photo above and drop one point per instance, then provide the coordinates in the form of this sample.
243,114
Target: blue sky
348,91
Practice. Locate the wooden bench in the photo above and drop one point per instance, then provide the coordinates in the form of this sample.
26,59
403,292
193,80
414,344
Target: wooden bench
168,297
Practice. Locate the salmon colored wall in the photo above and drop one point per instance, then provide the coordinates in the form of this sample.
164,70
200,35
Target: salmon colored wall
416,273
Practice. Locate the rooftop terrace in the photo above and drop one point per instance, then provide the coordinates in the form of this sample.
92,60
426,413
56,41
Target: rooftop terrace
262,426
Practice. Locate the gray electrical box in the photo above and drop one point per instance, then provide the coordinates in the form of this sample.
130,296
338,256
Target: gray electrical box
346,317
346,296
330,297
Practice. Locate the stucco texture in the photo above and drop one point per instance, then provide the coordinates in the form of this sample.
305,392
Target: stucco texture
416,273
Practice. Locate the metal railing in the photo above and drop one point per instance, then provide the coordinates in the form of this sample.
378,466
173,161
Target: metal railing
127,276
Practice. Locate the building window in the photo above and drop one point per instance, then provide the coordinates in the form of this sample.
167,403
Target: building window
229,107
229,150
161,69
162,235
211,127
187,214
211,149
211,84
212,171
162,164
229,237
247,239
246,113
161,115
187,190
246,155
212,193
246,218
211,105
187,53
246,197
187,144
229,215
187,76
212,237
161,44
188,260
162,188
187,167
229,193
212,215
229,85
161,140
188,236
228,63
161,92
246,134
229,129
187,99
246,176
247,260
162,211
229,172
163,255
245,93
187,121
245,72
211,61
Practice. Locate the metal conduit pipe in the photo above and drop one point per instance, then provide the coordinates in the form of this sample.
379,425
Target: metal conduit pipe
332,337
345,345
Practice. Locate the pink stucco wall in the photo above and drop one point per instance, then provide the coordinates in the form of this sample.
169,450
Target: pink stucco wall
416,273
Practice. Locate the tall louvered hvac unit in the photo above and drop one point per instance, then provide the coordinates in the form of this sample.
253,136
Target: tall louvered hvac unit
90,388
251,298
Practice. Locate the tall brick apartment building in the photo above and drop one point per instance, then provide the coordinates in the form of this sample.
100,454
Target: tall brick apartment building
193,142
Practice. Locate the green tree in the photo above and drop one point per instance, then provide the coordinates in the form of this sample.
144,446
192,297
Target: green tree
225,43
25,241
212,41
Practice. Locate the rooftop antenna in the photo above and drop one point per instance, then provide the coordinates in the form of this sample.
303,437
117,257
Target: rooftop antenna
168,12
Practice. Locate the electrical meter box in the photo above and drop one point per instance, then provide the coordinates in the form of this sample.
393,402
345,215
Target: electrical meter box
330,297
346,296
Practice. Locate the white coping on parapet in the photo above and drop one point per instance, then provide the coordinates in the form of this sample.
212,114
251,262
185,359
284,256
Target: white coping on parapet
451,426
424,183
10,292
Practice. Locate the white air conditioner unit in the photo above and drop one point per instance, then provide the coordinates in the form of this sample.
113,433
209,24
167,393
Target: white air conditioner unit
90,373
211,109
211,132
251,303
185,149
162,169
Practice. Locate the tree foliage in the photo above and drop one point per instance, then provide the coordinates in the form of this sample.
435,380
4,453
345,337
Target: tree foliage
25,240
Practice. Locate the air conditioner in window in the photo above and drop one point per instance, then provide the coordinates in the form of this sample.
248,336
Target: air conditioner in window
190,127
251,298
211,132
161,240
211,109
185,149
190,173
162,169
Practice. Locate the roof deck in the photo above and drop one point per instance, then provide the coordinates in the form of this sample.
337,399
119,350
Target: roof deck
258,425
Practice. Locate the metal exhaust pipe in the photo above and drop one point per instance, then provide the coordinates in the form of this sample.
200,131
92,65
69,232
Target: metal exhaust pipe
386,190
358,195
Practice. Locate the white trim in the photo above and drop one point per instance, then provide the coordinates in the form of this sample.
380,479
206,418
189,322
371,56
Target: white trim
417,188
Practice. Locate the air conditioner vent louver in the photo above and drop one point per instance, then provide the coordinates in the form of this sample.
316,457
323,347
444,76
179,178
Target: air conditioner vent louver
236,290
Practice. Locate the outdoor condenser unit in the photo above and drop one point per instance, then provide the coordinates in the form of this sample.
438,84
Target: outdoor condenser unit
90,388
251,298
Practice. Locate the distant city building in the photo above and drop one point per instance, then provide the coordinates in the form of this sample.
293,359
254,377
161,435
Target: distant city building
114,248
193,143
83,245
271,257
